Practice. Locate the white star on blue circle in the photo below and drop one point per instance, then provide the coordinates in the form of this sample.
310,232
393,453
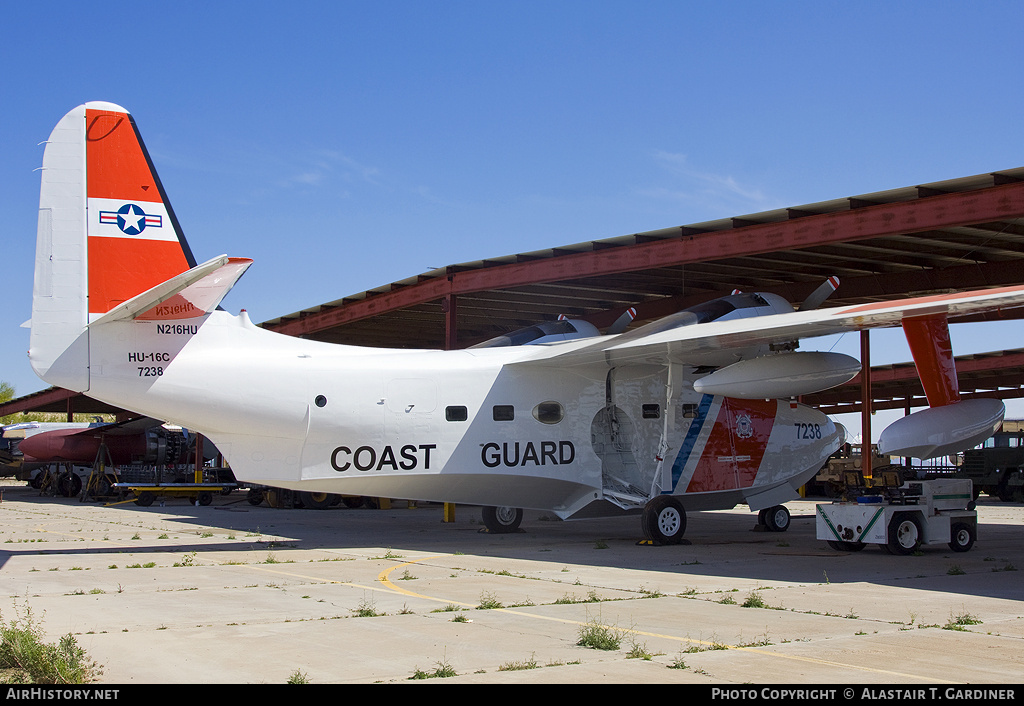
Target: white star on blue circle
131,219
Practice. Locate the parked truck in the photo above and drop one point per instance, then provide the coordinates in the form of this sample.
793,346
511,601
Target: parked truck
997,467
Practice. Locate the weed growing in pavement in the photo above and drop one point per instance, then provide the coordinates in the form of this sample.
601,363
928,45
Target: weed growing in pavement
28,659
598,636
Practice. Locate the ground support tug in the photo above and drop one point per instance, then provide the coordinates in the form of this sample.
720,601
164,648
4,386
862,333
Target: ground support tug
904,518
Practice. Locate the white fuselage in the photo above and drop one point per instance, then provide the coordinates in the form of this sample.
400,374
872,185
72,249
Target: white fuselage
470,426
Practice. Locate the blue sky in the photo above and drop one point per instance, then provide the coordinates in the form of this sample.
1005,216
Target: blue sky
345,145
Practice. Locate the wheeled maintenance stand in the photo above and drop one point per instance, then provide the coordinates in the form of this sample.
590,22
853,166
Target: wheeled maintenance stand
903,518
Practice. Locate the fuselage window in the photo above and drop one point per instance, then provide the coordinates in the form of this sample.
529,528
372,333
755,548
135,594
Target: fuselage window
456,413
651,411
504,413
548,412
689,411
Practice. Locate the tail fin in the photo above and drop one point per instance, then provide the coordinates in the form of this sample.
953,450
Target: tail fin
106,234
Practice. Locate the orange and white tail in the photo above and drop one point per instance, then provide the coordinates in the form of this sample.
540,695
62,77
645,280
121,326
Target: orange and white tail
108,244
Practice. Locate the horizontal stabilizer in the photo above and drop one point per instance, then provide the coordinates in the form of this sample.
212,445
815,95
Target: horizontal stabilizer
188,295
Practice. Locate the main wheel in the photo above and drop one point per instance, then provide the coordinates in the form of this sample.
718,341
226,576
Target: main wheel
664,520
905,534
776,519
962,536
316,501
69,484
502,520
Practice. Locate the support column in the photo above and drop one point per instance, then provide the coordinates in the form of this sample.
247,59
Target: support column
449,306
907,460
865,407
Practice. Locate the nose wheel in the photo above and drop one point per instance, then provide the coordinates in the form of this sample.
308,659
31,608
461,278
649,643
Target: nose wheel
774,519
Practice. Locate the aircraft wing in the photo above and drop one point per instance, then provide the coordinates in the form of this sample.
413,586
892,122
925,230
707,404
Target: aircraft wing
712,343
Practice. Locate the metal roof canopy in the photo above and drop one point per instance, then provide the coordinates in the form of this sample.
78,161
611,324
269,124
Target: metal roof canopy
965,233
960,234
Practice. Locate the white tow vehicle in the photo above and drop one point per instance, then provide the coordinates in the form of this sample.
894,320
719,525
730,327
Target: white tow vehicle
916,513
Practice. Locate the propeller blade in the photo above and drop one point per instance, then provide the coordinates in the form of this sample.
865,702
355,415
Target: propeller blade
820,294
623,322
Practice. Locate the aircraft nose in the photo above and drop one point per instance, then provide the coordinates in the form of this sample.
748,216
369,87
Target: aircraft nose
841,433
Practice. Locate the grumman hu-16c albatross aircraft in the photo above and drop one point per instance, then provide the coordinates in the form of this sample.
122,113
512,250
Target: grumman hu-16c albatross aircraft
692,411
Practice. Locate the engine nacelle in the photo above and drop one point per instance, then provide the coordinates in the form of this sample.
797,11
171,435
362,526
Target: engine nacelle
545,332
940,431
781,375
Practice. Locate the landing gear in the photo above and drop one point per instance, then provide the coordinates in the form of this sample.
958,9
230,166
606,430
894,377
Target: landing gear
775,519
316,501
502,520
664,520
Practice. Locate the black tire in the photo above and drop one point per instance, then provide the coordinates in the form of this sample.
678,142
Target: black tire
69,484
664,520
316,501
905,533
776,519
254,496
204,497
353,502
103,486
962,536
502,520
841,546
145,499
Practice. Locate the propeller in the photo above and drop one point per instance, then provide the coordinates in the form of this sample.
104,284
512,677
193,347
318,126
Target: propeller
819,295
622,322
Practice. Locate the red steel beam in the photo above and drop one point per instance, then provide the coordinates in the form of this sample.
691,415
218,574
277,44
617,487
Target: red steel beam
923,214
46,397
